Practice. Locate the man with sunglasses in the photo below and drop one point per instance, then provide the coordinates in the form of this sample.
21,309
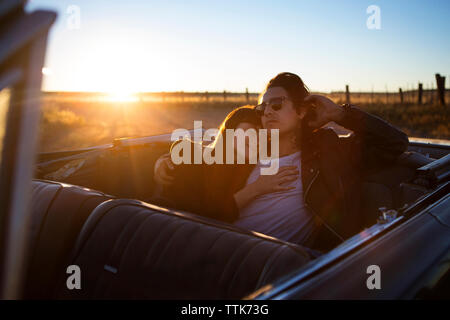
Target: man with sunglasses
314,199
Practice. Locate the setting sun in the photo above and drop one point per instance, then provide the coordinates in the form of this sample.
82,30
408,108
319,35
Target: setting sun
122,96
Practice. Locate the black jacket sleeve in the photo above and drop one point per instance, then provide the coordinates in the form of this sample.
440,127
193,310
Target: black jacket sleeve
375,142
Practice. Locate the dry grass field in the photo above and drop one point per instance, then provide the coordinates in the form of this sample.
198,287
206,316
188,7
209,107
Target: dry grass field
71,121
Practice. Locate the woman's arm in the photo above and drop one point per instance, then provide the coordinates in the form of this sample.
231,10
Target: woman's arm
245,195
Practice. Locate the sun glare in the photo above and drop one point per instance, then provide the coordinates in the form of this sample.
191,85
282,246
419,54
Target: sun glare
122,96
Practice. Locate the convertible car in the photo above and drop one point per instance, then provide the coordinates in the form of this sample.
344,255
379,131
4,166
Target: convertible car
93,213
137,248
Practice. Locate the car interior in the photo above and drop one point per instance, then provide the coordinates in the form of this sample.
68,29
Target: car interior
129,246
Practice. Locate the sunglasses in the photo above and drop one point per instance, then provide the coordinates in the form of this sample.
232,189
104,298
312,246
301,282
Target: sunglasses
275,103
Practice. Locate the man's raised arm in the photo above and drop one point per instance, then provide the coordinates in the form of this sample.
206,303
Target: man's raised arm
375,142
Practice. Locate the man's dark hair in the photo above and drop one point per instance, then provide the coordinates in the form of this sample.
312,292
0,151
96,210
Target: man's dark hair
293,84
297,92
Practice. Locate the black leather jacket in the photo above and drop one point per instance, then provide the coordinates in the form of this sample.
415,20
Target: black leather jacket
333,168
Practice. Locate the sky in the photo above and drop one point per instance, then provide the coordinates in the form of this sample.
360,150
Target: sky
144,45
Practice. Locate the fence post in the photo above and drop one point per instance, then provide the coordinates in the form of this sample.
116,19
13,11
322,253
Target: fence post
408,95
420,93
430,93
347,94
401,95
247,96
224,95
387,95
206,95
440,82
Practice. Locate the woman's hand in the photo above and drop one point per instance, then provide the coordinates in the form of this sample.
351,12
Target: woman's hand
277,182
325,110
266,184
163,170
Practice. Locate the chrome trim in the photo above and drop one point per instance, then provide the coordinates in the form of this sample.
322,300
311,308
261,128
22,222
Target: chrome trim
120,142
426,141
128,142
166,138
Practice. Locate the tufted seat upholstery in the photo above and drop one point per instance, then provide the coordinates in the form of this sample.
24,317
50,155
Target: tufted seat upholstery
132,250
58,212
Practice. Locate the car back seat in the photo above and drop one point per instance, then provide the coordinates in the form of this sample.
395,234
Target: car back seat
128,249
387,188
59,211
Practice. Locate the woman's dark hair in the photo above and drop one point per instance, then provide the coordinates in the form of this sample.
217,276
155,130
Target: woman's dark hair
237,116
224,180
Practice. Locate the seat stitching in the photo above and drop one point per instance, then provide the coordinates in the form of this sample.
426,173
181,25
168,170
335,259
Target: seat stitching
70,224
155,264
67,260
215,224
78,247
158,240
135,234
117,240
90,232
169,242
44,217
114,248
242,263
267,266
215,241
231,258
121,256
172,236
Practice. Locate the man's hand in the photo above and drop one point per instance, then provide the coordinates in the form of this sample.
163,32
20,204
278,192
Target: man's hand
325,110
162,170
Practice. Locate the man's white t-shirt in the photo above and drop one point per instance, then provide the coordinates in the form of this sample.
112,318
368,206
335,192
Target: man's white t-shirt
279,214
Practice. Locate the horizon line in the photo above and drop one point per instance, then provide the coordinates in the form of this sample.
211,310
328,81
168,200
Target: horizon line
227,92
